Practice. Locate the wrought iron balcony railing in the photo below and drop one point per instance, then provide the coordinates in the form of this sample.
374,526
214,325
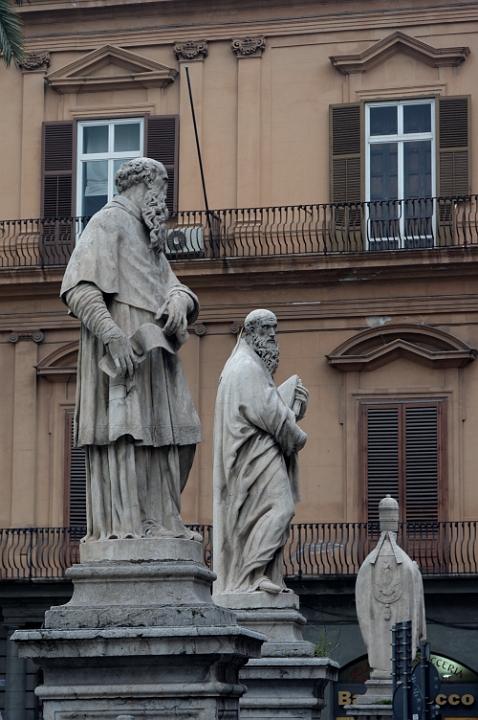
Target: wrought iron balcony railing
314,550
320,229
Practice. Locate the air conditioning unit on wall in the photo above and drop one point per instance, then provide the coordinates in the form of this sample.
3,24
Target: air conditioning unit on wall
185,241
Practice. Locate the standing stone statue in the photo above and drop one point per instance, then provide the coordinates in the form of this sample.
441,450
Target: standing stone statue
134,413
389,590
256,440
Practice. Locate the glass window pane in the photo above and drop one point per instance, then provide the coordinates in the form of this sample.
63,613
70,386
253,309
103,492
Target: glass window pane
94,186
95,138
417,166
383,120
383,171
117,164
417,118
126,137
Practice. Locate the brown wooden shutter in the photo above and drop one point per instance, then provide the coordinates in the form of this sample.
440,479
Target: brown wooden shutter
421,463
346,171
453,162
382,449
404,456
57,168
162,144
75,480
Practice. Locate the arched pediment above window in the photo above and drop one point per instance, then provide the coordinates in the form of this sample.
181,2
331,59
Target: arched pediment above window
61,364
371,349
406,44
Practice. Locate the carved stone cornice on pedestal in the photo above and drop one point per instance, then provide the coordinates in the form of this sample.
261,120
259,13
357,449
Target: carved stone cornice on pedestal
191,51
249,46
35,61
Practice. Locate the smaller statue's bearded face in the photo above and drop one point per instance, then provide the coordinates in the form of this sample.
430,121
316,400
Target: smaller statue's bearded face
262,338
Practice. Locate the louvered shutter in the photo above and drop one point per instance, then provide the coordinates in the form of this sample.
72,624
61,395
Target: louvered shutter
75,486
57,166
162,144
403,456
421,463
382,449
346,175
453,161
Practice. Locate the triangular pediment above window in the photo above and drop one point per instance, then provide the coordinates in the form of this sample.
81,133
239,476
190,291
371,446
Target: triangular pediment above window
110,68
371,349
395,43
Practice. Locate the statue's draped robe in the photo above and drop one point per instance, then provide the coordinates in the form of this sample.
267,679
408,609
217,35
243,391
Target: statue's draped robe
389,590
139,434
254,433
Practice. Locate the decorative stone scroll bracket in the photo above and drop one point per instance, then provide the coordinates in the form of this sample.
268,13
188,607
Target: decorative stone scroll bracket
248,46
191,51
35,61
36,336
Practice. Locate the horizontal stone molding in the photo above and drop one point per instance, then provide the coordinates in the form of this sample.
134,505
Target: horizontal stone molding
311,25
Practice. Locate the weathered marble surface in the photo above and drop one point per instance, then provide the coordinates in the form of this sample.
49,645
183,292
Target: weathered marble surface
256,440
134,413
389,589
141,638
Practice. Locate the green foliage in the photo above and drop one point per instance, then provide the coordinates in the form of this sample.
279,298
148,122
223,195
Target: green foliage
323,647
11,36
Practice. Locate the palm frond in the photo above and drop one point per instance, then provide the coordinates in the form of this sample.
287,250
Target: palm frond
11,36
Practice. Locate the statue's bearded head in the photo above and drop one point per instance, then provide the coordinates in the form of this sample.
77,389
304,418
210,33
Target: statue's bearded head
260,333
145,182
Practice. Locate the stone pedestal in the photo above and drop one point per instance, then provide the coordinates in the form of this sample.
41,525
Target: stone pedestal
375,704
140,638
288,681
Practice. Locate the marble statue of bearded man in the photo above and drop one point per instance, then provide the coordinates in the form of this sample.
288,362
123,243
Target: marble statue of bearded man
134,412
256,440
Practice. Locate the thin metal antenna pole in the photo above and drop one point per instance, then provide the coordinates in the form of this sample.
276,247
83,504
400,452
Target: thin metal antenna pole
199,153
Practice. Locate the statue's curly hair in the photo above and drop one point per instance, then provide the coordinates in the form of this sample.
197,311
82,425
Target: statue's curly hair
140,170
255,317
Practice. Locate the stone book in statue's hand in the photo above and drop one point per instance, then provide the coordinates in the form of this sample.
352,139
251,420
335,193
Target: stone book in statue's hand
295,395
146,337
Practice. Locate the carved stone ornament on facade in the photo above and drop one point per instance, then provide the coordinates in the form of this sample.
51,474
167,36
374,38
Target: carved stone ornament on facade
36,336
249,46
35,61
191,50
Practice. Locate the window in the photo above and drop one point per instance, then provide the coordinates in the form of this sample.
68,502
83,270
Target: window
403,454
400,173
103,145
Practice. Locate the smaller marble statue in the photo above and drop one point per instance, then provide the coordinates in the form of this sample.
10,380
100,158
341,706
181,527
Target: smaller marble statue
389,590
256,440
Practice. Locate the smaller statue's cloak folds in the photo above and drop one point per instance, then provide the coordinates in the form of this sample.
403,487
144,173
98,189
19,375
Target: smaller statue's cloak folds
254,434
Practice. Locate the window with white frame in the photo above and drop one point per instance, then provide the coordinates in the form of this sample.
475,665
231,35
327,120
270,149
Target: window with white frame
400,173
103,145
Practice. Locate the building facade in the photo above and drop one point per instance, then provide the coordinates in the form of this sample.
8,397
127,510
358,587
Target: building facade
339,169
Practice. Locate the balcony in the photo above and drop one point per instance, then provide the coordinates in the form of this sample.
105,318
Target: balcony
314,550
424,223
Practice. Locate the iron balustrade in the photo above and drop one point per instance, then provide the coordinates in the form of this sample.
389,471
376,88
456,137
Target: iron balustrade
316,229
314,550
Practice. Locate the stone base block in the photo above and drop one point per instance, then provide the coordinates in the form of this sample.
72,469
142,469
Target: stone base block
276,616
286,688
133,550
376,703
